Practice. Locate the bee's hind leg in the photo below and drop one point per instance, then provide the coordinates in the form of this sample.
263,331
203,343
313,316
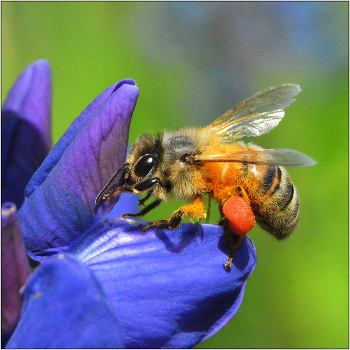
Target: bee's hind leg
232,241
237,220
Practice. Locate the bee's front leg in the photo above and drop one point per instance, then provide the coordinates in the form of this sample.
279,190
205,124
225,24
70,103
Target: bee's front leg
144,211
145,198
142,187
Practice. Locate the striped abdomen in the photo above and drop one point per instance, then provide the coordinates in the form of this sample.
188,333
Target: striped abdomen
277,207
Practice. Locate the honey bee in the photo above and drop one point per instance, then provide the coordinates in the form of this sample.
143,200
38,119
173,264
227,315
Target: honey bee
249,183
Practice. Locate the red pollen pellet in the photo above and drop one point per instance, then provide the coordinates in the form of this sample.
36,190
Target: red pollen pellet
239,214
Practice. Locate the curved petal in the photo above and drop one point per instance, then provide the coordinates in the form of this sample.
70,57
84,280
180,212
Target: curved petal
169,287
64,307
86,116
15,268
25,130
63,206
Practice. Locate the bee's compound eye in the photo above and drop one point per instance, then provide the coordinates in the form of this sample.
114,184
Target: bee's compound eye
144,165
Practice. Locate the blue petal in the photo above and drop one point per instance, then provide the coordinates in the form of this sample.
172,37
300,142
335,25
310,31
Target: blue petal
64,307
63,205
25,130
169,287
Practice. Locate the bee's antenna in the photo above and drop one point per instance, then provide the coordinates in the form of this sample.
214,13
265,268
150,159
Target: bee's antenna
105,188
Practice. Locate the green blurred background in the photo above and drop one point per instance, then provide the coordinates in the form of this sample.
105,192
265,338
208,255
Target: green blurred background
192,62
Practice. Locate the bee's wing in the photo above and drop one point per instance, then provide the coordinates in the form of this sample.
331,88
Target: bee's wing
283,157
256,115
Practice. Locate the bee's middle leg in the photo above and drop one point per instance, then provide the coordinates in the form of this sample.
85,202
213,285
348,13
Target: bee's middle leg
194,209
166,224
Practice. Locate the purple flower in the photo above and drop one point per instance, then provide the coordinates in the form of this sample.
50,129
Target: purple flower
103,282
25,130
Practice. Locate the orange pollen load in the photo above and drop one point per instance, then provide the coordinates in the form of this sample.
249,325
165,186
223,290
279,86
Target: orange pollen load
239,214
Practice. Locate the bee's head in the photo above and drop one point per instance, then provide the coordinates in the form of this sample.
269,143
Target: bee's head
143,160
138,171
